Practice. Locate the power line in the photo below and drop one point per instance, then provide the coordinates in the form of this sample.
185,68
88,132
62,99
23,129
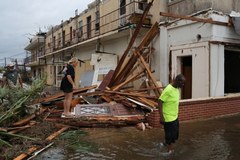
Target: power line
17,54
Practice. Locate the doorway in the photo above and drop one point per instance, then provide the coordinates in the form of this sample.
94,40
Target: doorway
186,70
231,77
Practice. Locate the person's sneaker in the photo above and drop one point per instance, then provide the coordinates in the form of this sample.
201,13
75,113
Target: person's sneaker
161,145
72,113
168,153
63,116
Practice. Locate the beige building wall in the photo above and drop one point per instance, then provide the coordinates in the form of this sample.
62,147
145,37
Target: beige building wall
157,7
187,7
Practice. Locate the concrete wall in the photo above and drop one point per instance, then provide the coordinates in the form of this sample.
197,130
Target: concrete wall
216,70
187,7
186,34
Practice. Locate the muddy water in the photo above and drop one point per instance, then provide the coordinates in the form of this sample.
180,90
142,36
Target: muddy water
215,139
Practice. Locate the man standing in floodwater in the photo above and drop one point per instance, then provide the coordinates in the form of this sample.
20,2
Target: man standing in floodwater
169,108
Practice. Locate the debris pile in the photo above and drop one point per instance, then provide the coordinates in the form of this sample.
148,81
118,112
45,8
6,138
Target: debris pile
126,94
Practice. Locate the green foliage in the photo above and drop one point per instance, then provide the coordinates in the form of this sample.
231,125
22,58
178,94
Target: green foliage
19,98
5,134
2,142
3,92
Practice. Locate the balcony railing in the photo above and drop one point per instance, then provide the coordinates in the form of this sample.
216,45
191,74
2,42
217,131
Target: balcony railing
115,20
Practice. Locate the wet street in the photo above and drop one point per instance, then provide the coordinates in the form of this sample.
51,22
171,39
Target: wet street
214,139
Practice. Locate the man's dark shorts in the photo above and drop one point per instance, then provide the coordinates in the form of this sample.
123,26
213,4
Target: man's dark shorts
171,131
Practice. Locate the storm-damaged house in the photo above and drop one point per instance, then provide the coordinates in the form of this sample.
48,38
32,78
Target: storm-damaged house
204,46
199,39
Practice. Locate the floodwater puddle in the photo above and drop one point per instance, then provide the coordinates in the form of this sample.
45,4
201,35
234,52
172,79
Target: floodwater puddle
215,139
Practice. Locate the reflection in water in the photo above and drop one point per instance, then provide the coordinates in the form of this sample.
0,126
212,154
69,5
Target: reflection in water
216,139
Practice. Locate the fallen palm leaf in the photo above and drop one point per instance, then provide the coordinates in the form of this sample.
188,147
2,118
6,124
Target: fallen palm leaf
5,142
16,135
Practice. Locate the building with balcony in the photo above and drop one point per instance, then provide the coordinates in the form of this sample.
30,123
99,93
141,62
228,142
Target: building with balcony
103,30
197,38
36,49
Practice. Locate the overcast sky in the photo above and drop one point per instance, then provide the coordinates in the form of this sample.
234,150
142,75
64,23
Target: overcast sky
20,19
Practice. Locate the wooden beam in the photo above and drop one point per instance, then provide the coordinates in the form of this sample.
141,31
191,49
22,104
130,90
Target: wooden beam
52,136
18,129
131,94
127,81
29,118
209,20
61,94
157,91
132,40
149,36
106,98
141,89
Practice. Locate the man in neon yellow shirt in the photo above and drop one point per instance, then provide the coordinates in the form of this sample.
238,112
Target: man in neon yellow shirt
168,108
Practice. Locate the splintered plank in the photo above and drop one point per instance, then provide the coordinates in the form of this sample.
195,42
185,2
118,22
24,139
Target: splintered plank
131,94
123,100
157,91
149,36
204,20
127,81
52,136
146,101
106,98
18,129
127,69
106,80
26,120
77,91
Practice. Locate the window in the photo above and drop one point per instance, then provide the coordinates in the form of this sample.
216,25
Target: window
80,31
122,7
142,4
97,23
59,39
71,33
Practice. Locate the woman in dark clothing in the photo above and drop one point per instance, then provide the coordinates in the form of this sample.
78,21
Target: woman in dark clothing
68,85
